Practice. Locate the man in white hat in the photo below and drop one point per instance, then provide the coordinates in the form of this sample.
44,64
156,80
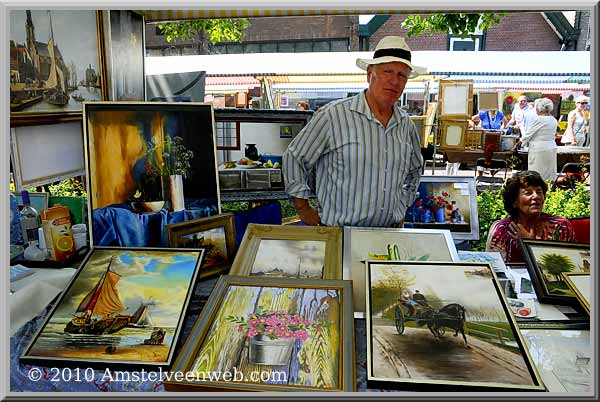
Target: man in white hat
360,156
522,115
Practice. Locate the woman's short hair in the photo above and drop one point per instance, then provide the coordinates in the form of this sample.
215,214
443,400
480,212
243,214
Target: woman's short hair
544,105
514,184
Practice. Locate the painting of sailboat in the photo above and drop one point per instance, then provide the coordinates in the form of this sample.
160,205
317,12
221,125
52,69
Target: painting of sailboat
55,62
124,305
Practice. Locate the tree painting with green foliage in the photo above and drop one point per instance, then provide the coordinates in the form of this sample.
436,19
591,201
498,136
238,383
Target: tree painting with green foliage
554,264
461,24
385,291
215,30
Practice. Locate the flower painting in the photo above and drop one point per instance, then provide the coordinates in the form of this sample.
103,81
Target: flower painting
291,331
132,147
124,306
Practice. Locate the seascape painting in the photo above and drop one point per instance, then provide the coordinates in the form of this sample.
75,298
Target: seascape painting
124,306
362,244
290,259
212,241
294,332
54,60
554,259
133,147
422,330
563,358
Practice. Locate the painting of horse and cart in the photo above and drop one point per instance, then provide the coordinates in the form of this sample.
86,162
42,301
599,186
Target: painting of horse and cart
442,324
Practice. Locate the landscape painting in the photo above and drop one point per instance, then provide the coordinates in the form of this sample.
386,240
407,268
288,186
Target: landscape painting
215,234
362,244
54,60
546,260
290,259
563,358
278,251
124,306
444,324
292,332
132,147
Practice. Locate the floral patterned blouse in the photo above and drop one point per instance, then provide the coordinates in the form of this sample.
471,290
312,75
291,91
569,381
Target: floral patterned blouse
501,239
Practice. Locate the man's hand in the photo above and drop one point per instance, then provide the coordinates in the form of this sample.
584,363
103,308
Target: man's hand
308,215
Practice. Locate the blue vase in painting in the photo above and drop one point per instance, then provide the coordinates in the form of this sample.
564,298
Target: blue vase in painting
440,215
427,216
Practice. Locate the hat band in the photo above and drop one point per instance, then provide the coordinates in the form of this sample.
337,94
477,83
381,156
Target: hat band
400,53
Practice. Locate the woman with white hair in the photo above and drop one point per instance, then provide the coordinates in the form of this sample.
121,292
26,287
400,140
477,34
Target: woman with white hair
540,139
577,124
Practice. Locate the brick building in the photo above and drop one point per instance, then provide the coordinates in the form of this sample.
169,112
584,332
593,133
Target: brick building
546,31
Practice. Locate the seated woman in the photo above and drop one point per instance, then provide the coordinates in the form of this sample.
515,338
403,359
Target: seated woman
490,119
524,195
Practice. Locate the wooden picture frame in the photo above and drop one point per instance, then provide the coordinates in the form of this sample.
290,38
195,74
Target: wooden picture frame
429,123
490,100
563,255
416,350
361,244
563,357
132,299
290,252
454,135
580,284
474,139
220,247
456,99
79,37
459,191
315,352
419,122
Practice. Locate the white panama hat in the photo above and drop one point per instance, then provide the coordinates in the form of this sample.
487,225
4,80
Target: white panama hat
582,98
390,49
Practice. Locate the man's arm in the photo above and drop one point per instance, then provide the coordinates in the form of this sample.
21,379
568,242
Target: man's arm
307,214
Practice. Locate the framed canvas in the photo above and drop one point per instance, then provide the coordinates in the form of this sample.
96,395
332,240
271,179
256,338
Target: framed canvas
64,64
215,234
580,284
546,260
361,244
489,100
492,257
240,333
456,99
563,358
454,134
38,200
446,202
126,150
429,123
419,122
290,252
176,87
123,307
439,325
125,55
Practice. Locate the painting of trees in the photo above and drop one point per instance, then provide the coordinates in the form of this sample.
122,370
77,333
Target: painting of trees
388,288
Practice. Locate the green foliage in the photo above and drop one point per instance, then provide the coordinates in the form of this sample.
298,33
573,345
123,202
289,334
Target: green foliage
217,30
68,187
556,263
234,206
490,208
462,24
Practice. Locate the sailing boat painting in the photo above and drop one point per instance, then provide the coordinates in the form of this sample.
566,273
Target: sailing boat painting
123,306
55,63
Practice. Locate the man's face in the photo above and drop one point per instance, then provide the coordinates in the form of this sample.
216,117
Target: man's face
387,81
522,102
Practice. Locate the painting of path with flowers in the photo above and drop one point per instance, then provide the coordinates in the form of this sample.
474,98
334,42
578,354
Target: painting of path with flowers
131,145
291,332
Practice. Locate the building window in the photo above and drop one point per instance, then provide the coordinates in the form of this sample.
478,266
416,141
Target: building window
228,135
457,44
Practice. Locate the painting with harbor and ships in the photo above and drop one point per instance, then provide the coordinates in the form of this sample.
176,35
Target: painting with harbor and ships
124,305
54,62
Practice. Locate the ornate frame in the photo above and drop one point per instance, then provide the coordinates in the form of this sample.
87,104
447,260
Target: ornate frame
459,108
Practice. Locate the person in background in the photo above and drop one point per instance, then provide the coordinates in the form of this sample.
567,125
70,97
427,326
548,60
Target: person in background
522,115
490,119
577,124
302,106
540,140
524,195
360,156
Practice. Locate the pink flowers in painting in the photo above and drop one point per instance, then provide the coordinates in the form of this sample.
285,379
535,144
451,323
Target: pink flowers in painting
276,324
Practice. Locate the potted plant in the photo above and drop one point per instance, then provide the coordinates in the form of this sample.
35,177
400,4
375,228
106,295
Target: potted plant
272,334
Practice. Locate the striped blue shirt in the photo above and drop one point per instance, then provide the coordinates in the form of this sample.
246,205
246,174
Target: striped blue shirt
362,173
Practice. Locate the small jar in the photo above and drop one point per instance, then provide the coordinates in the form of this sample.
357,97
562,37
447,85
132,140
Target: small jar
251,152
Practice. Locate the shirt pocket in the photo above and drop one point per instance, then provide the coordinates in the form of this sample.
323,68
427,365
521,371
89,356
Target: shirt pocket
350,150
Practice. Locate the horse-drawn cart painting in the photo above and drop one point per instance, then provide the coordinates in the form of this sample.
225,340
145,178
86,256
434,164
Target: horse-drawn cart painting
444,324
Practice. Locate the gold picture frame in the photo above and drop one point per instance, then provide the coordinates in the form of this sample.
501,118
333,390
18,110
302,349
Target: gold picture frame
576,281
432,109
456,99
220,247
453,135
312,351
290,251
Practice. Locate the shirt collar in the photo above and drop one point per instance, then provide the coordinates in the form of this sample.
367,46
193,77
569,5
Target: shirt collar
360,105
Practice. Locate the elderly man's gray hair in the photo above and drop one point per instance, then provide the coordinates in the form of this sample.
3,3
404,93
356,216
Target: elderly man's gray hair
544,105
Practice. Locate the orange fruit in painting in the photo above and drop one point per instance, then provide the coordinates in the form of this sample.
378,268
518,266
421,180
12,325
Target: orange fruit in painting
65,243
